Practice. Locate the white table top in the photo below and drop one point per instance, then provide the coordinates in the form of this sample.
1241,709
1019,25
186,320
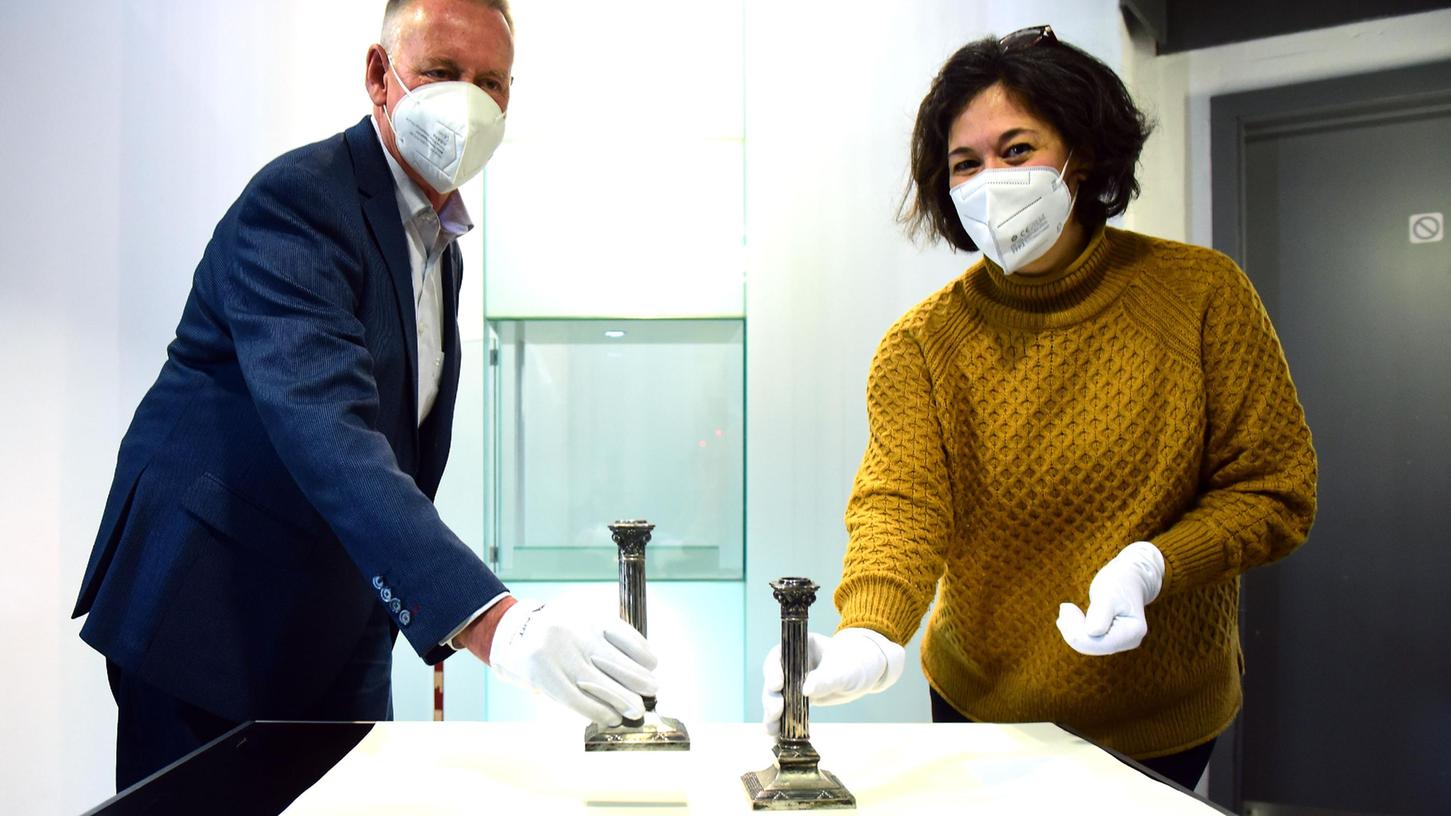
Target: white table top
542,768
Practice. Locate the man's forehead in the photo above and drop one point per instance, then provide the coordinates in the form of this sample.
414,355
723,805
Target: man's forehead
461,33
443,18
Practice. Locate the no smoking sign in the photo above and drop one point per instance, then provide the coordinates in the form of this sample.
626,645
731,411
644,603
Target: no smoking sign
1427,228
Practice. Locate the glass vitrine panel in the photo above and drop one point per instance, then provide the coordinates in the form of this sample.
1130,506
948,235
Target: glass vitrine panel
591,421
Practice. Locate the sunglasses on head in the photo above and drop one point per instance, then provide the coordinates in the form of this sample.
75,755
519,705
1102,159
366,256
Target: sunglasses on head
1028,37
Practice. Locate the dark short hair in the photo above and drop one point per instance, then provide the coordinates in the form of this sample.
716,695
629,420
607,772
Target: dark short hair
1083,99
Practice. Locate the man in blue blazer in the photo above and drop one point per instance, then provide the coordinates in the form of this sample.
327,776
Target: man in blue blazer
270,528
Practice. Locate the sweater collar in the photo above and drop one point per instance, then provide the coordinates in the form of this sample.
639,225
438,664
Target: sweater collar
1063,298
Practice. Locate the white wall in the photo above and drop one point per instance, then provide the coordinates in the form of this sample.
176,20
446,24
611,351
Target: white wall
58,354
130,127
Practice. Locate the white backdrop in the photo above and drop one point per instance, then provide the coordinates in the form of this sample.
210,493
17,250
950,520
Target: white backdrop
130,127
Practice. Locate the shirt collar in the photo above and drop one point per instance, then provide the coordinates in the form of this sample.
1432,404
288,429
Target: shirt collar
453,219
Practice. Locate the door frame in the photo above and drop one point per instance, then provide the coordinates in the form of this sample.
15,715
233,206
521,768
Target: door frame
1242,117
1237,118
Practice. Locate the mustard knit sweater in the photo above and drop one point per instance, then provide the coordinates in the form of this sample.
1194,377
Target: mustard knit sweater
1024,431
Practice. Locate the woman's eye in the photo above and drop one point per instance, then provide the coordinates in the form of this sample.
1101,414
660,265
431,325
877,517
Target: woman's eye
1017,150
966,166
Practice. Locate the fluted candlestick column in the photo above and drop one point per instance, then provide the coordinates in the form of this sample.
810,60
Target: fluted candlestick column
631,538
795,596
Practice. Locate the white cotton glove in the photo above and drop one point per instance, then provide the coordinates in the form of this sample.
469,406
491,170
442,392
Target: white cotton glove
598,669
853,663
1116,600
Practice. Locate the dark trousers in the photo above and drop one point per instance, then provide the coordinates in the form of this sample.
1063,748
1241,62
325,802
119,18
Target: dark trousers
1183,768
154,729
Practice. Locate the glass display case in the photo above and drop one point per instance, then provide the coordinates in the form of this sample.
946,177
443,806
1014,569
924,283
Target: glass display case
593,420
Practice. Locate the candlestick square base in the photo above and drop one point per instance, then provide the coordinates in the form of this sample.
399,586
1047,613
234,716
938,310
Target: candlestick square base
652,733
786,788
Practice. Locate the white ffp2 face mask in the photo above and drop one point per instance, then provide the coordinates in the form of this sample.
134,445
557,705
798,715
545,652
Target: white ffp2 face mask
446,131
1014,214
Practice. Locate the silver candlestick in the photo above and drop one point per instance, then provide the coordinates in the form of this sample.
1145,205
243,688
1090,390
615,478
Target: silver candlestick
795,782
651,732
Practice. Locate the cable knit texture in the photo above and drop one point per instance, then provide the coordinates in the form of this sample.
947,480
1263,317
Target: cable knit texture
1024,431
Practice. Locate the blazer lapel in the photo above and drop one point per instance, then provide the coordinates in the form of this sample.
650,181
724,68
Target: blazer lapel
380,207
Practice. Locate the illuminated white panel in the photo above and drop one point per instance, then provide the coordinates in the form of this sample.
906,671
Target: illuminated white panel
618,191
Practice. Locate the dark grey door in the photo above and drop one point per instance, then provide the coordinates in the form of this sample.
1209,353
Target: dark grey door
1334,196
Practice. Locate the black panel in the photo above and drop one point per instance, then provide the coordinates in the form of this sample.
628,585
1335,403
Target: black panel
256,768
1183,25
1151,15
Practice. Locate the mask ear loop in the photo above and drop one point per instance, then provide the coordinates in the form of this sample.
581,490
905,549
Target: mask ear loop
406,92
1073,199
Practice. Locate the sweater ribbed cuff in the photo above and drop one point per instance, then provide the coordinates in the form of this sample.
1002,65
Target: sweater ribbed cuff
1193,556
882,604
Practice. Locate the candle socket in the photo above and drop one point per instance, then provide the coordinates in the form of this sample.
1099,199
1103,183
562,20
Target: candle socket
651,732
795,781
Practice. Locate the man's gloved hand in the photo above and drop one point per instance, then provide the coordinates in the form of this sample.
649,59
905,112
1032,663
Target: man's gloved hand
853,663
599,669
1116,600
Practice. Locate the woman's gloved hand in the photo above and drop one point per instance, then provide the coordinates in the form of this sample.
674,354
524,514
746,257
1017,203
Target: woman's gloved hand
1116,600
852,663
598,667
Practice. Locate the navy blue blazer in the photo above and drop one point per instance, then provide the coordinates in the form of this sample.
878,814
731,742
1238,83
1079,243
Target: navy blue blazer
274,486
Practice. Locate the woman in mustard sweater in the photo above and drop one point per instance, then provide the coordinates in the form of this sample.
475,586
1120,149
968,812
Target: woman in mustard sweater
1088,416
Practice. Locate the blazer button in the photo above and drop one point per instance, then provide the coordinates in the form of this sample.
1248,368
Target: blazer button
404,618
377,582
386,594
396,606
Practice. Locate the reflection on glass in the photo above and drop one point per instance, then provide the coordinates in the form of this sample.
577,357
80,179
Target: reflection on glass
597,420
